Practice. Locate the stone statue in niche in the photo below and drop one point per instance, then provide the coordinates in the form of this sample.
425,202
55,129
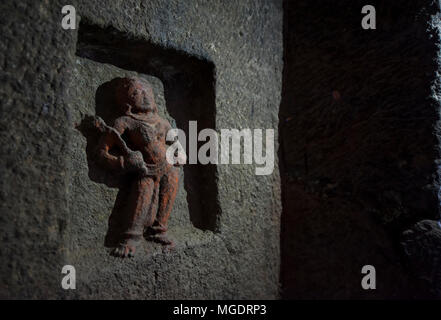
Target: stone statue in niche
131,155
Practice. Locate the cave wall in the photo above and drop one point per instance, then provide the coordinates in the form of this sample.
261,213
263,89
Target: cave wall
358,145
358,152
52,214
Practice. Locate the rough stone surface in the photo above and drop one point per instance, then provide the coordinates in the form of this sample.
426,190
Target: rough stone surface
358,144
52,214
422,248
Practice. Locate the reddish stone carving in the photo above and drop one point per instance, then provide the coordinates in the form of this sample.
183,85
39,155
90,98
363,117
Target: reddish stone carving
134,151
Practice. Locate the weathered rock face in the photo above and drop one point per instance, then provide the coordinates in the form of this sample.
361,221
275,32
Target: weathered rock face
220,65
422,247
357,124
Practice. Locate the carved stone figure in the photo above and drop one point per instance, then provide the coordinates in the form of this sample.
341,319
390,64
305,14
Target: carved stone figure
132,153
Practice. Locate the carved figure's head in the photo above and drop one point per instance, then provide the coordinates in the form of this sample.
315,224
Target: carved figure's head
135,95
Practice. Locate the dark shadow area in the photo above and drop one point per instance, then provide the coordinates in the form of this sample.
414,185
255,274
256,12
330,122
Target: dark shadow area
357,145
189,89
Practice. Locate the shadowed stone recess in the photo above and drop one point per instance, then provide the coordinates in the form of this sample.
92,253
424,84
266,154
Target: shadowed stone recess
358,145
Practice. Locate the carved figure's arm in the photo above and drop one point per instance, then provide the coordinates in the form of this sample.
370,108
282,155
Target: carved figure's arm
110,161
127,160
111,139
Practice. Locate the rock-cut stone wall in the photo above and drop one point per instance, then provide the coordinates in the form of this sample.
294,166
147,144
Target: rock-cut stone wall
226,220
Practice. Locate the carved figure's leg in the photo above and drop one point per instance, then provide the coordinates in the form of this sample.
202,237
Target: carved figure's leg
116,219
138,211
168,189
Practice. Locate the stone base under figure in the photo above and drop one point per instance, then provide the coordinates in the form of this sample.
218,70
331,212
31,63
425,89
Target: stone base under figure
142,209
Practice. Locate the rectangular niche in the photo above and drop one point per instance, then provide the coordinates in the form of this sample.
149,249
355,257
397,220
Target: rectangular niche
189,91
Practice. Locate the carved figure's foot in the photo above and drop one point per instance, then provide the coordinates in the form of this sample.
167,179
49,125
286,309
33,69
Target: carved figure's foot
125,249
161,238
